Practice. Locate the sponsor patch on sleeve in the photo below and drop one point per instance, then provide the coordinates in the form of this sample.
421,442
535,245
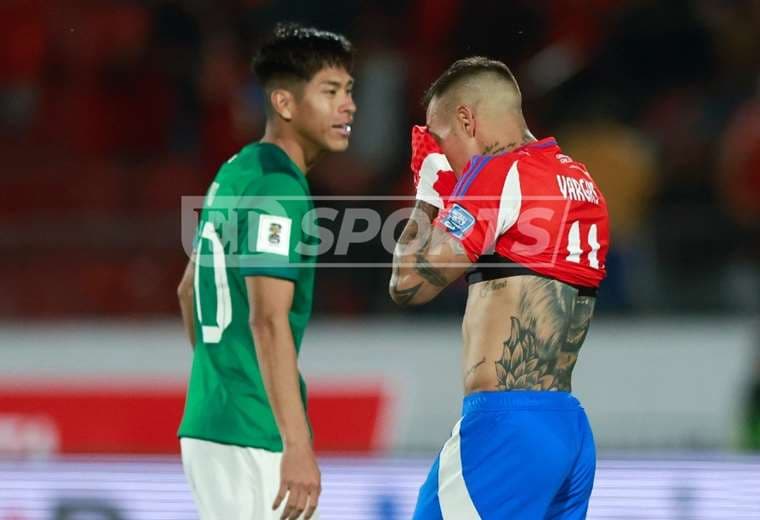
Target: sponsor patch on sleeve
458,221
274,235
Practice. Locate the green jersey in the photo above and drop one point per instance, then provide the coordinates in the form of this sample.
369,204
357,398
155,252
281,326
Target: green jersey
252,223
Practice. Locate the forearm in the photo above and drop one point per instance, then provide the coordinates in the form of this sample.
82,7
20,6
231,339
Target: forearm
276,354
188,316
186,295
415,279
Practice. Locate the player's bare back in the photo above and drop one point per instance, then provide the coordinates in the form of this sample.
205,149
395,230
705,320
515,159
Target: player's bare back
523,333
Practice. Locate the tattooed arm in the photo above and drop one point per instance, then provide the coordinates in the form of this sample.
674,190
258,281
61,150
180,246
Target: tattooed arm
425,260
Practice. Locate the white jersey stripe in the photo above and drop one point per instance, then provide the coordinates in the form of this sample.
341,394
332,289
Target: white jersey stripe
453,496
510,202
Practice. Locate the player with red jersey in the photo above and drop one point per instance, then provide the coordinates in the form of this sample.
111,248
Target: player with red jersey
529,228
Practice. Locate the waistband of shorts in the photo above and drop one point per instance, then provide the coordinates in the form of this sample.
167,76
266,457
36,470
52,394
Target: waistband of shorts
519,400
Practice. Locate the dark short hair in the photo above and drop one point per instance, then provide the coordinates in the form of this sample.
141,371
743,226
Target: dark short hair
466,68
296,53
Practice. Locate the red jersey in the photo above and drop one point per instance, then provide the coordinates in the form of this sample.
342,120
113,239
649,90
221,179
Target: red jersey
535,208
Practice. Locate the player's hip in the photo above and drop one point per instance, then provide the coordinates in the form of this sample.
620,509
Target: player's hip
511,455
232,481
521,422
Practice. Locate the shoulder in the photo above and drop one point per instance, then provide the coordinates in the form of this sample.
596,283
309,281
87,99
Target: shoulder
493,164
485,172
264,163
264,169
278,183
278,173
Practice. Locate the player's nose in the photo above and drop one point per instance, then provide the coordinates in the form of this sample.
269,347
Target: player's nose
348,107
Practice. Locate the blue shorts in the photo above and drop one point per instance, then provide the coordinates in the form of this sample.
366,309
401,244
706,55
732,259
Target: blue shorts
513,455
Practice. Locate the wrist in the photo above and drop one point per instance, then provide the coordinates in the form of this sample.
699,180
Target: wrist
428,209
430,199
297,439
297,445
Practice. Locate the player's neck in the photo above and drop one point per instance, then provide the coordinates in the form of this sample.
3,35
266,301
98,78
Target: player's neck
508,140
294,149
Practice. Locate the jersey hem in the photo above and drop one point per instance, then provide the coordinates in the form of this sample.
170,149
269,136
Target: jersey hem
229,443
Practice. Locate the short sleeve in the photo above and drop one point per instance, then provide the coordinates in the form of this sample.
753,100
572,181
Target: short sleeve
484,205
270,233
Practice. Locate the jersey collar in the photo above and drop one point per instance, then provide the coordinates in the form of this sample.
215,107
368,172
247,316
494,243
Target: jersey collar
543,144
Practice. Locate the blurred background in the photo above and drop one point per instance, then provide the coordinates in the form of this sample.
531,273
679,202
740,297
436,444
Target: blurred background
112,110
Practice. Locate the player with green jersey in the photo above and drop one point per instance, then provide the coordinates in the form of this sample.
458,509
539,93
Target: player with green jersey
246,295
226,399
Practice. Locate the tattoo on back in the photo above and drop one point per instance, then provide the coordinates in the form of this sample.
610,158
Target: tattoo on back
520,364
474,367
492,286
545,338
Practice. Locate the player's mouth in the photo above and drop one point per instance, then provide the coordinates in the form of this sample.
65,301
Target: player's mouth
344,129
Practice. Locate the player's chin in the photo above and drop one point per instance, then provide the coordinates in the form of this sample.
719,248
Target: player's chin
336,144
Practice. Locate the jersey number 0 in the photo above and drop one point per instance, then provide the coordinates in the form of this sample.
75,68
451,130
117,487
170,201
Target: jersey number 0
213,333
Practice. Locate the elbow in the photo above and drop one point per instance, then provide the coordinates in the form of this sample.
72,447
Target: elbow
406,297
267,326
185,291
394,292
261,325
395,297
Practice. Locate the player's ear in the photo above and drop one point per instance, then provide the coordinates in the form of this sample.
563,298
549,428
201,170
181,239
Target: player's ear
465,118
283,103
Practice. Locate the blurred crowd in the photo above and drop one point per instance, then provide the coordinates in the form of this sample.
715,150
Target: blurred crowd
111,110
